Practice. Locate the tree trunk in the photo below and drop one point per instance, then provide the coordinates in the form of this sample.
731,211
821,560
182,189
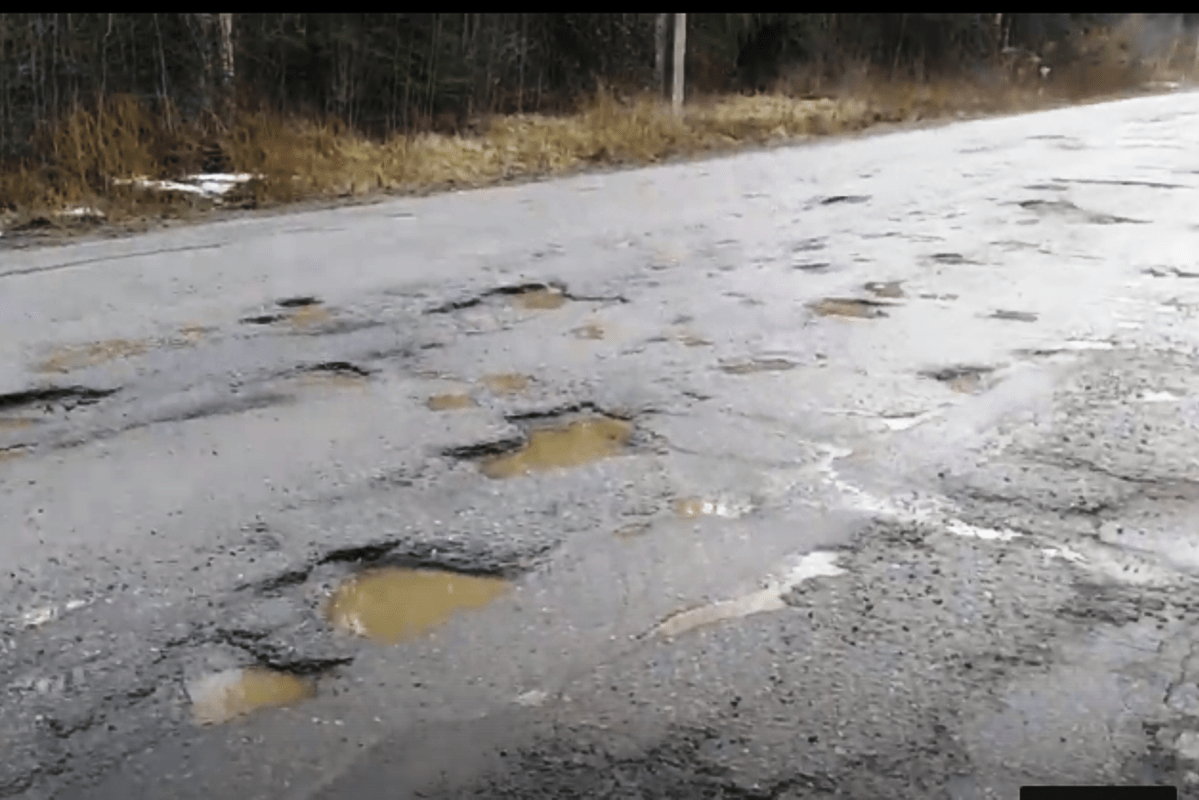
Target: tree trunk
680,52
660,54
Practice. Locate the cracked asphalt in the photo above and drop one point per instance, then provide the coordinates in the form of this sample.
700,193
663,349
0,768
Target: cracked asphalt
858,469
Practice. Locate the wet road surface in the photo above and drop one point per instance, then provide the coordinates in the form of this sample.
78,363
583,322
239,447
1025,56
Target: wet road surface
863,469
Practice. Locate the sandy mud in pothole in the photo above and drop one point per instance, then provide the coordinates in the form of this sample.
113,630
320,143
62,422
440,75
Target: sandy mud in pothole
70,357
15,423
449,402
506,382
395,604
849,307
223,696
562,447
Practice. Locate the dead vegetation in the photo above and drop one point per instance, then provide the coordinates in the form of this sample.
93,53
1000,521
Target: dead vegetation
85,159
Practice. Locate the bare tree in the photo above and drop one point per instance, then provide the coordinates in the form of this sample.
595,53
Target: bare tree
660,54
680,52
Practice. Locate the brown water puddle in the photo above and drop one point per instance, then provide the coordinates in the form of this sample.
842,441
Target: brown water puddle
545,299
395,604
309,316
849,307
758,365
10,453
506,382
449,402
223,696
572,445
891,289
69,357
592,330
15,423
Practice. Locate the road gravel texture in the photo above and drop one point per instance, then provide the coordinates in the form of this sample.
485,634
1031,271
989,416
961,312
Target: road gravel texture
857,469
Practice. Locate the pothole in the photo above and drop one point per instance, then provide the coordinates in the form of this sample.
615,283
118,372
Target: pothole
297,302
506,382
632,531
545,298
961,379
223,696
812,266
309,316
16,451
757,365
695,507
396,604
845,198
1014,316
530,296
951,259
302,313
449,402
592,330
694,340
890,289
15,423
335,373
65,398
70,357
562,446
856,307
1071,212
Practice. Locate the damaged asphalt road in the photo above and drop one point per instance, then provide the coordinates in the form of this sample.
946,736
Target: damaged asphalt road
863,469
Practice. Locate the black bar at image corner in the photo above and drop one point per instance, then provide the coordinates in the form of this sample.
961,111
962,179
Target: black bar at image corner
1098,793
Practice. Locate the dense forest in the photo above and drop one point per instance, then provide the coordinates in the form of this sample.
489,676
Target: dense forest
385,74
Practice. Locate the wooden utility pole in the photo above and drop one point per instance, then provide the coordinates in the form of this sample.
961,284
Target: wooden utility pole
680,50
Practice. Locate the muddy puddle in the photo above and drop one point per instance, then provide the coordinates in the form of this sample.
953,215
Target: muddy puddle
15,423
449,402
71,357
226,695
757,365
506,382
849,307
888,289
562,447
693,340
394,604
540,299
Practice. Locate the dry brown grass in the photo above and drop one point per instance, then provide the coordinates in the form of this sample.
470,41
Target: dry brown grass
305,158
